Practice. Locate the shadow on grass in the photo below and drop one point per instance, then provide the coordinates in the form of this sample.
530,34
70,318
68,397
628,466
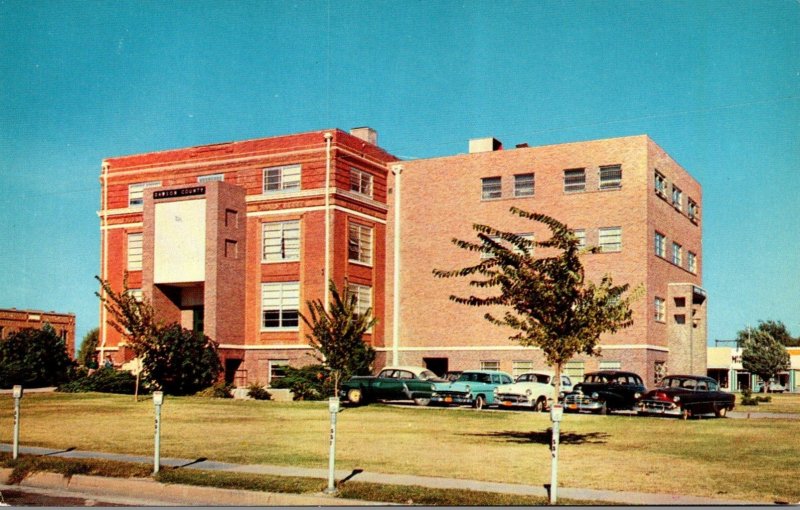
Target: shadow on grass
544,437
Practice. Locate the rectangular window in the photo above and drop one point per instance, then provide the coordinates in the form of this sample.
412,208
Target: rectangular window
580,234
661,245
282,179
610,239
281,241
660,312
574,369
677,198
691,260
135,252
363,296
136,192
360,244
280,303
524,185
661,185
520,367
136,294
491,188
610,365
490,365
677,254
361,182
693,210
611,177
277,369
211,178
574,180
231,249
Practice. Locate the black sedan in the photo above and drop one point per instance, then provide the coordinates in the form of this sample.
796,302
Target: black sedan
687,396
606,390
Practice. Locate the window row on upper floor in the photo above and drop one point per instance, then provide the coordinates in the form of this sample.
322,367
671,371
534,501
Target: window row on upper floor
674,195
276,180
607,240
609,178
675,254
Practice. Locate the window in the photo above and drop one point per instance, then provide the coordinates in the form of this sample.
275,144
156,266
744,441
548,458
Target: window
691,260
661,245
677,255
281,241
211,178
574,180
677,198
520,367
360,244
360,182
574,369
498,240
610,365
363,296
611,177
136,294
277,369
580,234
490,365
661,185
524,185
279,305
491,188
660,312
282,178
135,252
610,239
693,210
136,192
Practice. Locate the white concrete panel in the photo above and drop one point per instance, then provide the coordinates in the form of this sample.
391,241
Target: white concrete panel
180,242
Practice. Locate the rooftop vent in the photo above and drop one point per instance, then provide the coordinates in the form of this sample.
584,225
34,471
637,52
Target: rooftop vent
523,145
485,145
367,134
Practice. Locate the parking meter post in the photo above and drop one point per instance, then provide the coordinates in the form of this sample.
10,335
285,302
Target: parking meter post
556,413
158,399
17,393
333,408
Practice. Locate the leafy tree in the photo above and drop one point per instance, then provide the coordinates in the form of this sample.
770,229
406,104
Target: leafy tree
779,332
762,354
337,336
87,355
546,299
311,382
34,358
181,362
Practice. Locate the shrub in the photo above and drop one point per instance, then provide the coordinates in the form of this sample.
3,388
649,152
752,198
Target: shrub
104,380
312,382
34,358
258,392
181,362
747,397
220,389
87,355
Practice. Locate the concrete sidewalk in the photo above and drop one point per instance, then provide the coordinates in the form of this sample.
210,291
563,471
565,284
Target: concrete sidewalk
625,498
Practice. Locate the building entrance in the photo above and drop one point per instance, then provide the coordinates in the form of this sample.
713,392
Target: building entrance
438,366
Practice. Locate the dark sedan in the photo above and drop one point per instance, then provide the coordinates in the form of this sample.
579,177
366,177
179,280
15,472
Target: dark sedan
606,390
687,396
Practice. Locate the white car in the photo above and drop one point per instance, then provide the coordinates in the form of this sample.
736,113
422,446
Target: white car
531,389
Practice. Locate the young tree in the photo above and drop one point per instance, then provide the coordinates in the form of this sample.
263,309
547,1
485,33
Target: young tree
87,355
337,335
547,300
762,354
34,358
180,361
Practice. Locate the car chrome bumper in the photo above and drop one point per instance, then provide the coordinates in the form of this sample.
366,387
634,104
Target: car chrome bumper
452,399
573,403
657,407
510,399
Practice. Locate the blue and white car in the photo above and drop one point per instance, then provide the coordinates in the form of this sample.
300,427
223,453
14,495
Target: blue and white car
473,387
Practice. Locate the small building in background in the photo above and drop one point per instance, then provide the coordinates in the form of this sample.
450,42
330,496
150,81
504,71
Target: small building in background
725,366
13,320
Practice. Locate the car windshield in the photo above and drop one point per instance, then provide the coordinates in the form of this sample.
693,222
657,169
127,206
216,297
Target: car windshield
678,382
475,377
427,374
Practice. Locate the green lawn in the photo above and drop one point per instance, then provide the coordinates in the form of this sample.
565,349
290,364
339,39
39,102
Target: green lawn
740,459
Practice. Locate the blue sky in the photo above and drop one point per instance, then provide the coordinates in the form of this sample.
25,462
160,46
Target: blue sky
715,83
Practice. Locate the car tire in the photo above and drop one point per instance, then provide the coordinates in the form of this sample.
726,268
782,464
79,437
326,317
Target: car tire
540,405
479,403
422,401
603,410
721,412
686,413
355,396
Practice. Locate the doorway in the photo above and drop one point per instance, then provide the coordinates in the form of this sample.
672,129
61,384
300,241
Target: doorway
438,366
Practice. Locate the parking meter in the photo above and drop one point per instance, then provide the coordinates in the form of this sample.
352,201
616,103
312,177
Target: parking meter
158,400
17,391
556,415
333,408
17,394
556,412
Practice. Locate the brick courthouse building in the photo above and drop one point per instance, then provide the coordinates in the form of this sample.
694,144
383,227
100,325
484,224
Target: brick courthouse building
233,239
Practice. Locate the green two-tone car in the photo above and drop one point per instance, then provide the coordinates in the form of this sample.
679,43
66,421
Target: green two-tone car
391,383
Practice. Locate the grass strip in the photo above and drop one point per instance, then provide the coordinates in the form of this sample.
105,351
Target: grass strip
241,481
27,464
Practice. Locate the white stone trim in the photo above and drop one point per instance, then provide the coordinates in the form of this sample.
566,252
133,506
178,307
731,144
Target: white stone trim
264,347
284,212
138,224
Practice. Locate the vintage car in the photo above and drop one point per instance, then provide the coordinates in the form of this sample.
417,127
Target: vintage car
687,396
473,387
531,389
391,383
606,390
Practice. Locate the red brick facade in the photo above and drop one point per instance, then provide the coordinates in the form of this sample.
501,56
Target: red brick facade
13,320
440,198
